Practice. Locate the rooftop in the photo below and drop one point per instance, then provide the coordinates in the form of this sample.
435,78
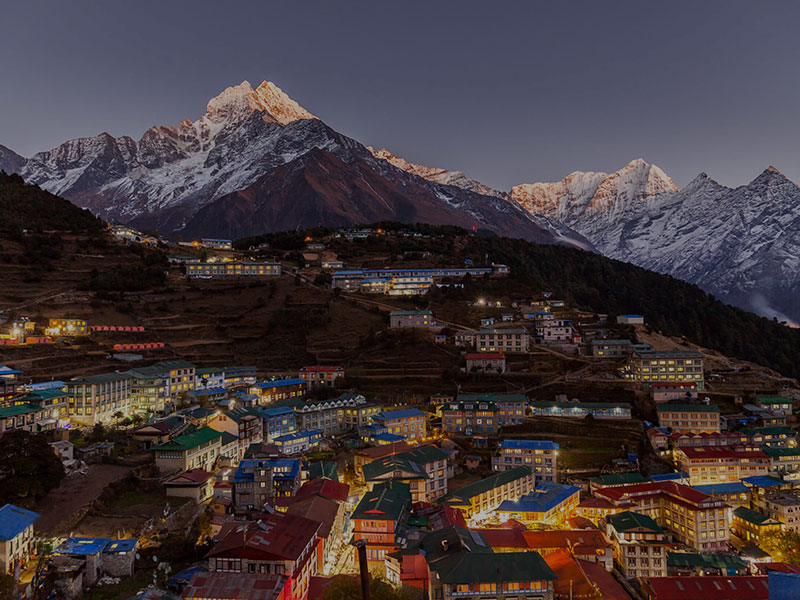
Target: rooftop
710,587
386,501
484,485
528,444
544,498
14,520
632,521
187,441
687,408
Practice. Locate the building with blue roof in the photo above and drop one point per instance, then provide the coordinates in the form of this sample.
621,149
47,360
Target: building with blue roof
278,390
408,422
540,455
735,494
678,477
549,504
101,556
298,441
278,421
258,480
16,536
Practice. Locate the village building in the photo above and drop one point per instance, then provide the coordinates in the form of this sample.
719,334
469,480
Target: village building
486,362
216,244
689,418
243,423
276,544
234,268
733,494
558,331
630,319
198,449
579,410
278,390
412,318
673,391
278,421
424,468
380,517
16,537
98,398
709,464
9,381
67,327
502,340
368,455
480,499
346,412
470,417
408,422
196,484
232,586
784,461
330,514
771,437
100,556
298,441
708,587
780,405
549,504
784,507
540,455
510,407
610,348
640,543
654,366
696,519
322,375
749,525
256,481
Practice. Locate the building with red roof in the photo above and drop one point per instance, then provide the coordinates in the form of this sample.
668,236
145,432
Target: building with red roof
331,516
232,586
586,544
368,455
708,587
595,508
486,362
196,484
582,578
504,540
327,488
322,375
697,519
276,544
714,464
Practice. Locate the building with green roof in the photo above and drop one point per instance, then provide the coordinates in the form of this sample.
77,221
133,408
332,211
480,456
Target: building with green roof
780,405
696,564
579,410
380,518
424,468
481,498
640,543
749,525
198,449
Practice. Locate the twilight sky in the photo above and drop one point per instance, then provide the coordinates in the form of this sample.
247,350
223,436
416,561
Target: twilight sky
508,92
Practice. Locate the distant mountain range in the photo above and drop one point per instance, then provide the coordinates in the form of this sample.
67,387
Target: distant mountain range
257,161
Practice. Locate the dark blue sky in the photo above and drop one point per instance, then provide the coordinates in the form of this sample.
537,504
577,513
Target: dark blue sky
508,92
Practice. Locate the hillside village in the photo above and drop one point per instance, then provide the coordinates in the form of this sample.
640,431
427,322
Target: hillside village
281,415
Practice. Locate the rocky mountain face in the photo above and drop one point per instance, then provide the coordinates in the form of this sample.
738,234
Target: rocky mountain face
257,161
10,161
741,244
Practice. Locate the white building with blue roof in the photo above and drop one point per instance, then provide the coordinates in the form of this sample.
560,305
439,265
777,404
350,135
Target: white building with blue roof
16,536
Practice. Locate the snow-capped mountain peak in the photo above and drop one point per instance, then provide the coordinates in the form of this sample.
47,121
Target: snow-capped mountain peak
238,101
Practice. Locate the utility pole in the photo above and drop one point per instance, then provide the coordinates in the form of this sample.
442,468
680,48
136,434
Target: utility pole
361,546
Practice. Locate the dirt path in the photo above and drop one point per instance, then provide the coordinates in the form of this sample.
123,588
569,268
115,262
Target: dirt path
74,493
